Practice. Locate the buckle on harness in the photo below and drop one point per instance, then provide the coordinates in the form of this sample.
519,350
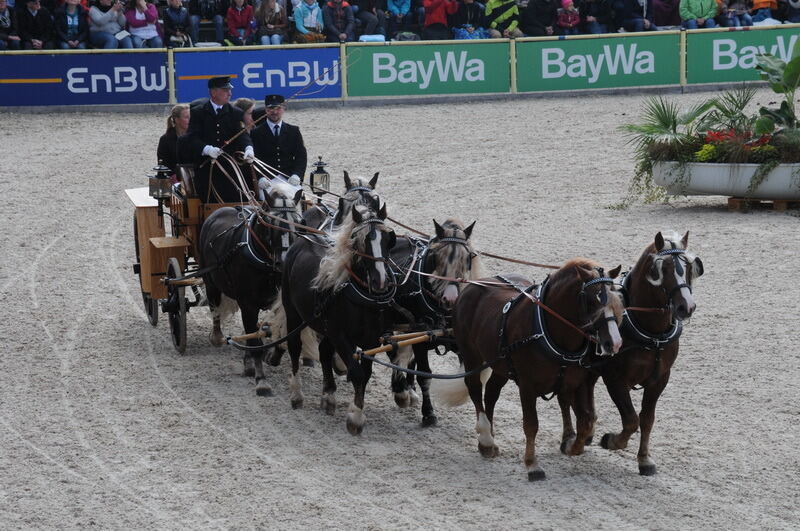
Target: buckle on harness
507,307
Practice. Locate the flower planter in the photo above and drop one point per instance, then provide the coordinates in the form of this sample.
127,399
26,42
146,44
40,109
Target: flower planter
733,180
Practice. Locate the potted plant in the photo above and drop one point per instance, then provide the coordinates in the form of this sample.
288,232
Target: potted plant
717,148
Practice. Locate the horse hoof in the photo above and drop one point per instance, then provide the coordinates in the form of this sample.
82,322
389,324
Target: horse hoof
605,441
354,429
429,420
263,391
216,339
488,451
647,470
403,399
297,403
536,475
308,362
275,358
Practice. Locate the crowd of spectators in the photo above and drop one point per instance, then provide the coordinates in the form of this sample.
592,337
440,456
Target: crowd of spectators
79,24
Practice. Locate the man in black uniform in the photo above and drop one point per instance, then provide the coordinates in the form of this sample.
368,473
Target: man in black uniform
210,126
280,144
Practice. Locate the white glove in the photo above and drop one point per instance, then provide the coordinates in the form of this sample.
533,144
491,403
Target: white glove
249,156
212,151
294,180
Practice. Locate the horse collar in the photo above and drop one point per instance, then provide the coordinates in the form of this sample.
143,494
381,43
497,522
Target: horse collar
545,341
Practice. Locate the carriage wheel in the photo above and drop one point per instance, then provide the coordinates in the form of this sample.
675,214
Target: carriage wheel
175,306
150,304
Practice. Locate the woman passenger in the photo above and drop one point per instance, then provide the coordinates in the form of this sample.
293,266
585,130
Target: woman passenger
177,125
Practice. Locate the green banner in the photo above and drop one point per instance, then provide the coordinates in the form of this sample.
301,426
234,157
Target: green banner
722,57
428,69
573,64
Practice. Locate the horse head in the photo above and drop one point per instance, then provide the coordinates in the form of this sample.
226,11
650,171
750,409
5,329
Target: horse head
669,266
371,241
451,255
602,306
281,204
357,192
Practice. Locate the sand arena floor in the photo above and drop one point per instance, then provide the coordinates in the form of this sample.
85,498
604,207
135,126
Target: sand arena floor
103,425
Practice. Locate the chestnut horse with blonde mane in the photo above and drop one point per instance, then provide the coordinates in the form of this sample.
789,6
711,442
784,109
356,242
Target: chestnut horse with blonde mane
538,336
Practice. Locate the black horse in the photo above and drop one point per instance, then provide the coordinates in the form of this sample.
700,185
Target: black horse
341,291
428,301
245,249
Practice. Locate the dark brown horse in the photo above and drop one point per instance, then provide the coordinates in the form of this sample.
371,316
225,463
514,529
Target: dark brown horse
246,250
539,350
658,293
342,292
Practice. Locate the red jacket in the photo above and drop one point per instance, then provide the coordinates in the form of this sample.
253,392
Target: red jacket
436,11
240,20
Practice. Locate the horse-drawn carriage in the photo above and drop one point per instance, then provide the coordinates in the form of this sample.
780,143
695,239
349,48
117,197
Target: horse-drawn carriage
167,220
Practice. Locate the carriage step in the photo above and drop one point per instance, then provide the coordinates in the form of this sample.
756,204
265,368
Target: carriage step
741,204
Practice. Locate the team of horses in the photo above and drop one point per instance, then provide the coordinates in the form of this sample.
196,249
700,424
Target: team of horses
341,279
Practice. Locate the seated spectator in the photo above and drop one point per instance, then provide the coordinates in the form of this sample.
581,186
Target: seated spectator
308,22
400,16
567,19
538,19
35,27
698,13
272,23
107,25
666,13
792,15
240,24
372,17
177,125
637,15
72,27
213,10
468,22
435,27
142,18
9,40
247,106
596,15
502,19
176,25
340,24
763,9
736,13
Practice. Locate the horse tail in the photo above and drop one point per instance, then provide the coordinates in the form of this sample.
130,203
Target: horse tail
310,342
277,322
224,309
451,393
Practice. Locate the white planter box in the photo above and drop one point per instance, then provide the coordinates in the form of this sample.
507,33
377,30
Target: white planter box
731,180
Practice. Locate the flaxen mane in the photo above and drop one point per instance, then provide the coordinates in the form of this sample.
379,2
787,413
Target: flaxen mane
349,238
453,261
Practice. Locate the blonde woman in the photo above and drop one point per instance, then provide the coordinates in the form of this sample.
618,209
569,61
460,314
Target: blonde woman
177,125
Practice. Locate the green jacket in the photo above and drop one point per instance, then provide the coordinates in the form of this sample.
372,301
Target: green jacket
691,9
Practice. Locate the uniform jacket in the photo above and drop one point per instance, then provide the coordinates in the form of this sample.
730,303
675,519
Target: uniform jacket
286,153
209,129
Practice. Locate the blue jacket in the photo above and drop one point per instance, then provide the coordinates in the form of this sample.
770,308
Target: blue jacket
301,12
398,7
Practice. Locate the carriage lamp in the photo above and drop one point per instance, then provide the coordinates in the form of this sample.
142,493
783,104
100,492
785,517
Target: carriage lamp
160,185
320,179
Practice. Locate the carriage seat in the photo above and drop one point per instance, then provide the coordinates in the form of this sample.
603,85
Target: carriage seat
185,174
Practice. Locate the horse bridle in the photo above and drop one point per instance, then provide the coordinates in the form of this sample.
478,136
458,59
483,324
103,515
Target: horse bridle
454,240
679,269
603,281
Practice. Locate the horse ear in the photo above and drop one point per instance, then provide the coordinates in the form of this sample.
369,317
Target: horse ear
357,217
614,273
374,180
298,196
382,212
659,242
585,274
339,217
392,239
697,267
685,240
439,230
468,230
347,183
